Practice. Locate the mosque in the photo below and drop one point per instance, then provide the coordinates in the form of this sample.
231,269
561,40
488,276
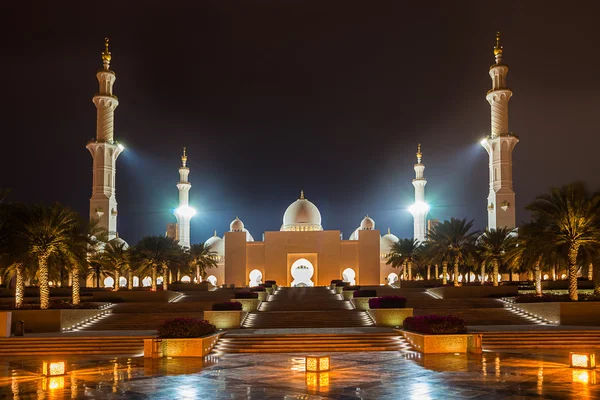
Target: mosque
301,252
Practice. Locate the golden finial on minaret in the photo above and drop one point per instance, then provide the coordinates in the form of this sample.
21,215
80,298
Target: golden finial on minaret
106,57
184,157
215,235
302,195
498,48
419,154
389,233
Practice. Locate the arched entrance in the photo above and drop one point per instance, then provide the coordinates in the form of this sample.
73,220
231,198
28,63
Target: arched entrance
212,279
392,278
255,277
109,282
122,281
185,279
349,276
147,281
302,271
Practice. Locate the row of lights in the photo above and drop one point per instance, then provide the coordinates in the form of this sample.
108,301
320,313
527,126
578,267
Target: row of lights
89,321
526,314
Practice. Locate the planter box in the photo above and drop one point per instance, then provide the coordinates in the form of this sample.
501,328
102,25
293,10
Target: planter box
332,286
263,296
437,343
339,289
390,316
40,321
5,318
348,294
361,303
269,290
463,292
565,313
419,284
248,305
225,319
194,347
145,296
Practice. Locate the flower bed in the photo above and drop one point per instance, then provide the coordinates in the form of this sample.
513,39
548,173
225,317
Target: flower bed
365,293
258,289
351,288
227,306
348,292
387,302
245,295
185,328
435,324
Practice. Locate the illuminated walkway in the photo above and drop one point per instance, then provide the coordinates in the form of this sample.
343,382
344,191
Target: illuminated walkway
383,375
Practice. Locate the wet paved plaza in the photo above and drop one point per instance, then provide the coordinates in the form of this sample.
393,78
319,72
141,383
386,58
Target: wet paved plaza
376,375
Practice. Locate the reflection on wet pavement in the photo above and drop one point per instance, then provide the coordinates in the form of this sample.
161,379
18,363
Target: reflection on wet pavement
380,375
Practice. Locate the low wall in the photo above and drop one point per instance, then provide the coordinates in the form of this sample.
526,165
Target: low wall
5,318
420,284
248,305
193,347
392,317
225,319
361,303
565,313
463,292
436,343
40,321
146,296
564,285
192,287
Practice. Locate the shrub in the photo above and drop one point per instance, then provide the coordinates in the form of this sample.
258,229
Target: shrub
352,288
365,293
258,289
337,282
185,328
245,295
271,282
227,306
545,297
267,285
387,302
435,324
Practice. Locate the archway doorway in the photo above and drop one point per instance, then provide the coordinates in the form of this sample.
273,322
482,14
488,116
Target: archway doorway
122,281
212,279
302,271
255,277
185,279
349,276
392,278
147,281
109,282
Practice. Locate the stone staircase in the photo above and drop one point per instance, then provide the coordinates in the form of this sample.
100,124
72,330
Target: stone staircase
302,343
104,345
311,307
542,339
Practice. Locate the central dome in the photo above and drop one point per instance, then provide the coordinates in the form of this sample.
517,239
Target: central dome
302,215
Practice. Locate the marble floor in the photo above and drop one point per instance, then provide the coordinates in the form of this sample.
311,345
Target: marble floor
376,375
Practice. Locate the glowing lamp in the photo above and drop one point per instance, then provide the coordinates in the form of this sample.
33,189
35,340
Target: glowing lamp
317,363
583,360
419,207
315,380
483,141
53,368
185,211
121,147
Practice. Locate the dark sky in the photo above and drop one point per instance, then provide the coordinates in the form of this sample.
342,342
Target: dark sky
271,97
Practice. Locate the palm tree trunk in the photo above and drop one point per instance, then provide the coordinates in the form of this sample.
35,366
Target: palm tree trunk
495,268
591,272
197,273
129,279
154,278
444,272
410,270
597,281
437,271
75,298
483,272
573,252
538,279
43,281
429,272
456,271
117,277
165,277
178,276
19,285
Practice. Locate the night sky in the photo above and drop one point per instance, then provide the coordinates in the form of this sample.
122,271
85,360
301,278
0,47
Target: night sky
272,97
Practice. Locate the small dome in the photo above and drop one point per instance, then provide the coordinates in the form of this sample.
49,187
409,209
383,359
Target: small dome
216,244
236,225
386,242
367,223
302,215
118,242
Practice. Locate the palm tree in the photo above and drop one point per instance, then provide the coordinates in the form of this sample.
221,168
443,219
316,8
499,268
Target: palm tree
402,254
47,231
14,255
569,217
453,241
153,252
493,245
116,257
202,257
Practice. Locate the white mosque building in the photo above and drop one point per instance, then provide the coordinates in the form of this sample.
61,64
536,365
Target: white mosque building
301,252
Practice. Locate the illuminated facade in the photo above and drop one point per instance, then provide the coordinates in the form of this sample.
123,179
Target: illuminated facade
499,145
184,213
420,208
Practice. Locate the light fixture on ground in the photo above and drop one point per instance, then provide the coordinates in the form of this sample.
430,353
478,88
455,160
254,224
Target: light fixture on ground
55,368
317,363
582,360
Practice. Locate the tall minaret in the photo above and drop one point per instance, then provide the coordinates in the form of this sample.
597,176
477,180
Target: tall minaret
104,150
184,212
420,209
499,145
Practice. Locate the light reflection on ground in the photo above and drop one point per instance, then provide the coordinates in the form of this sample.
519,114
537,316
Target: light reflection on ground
377,375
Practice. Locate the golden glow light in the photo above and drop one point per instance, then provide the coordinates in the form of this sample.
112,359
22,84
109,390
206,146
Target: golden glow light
583,360
56,382
53,368
584,376
315,380
317,363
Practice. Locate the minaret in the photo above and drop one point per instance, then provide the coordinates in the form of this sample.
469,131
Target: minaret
420,208
184,212
499,145
104,150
